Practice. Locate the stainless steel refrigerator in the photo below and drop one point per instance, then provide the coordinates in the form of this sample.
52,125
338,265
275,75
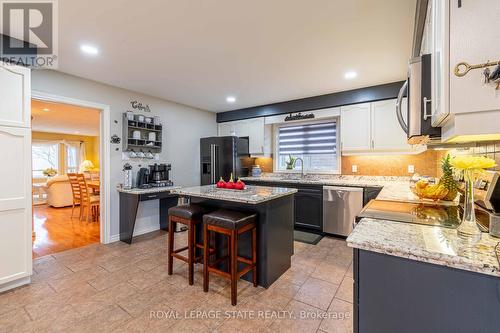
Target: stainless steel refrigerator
221,156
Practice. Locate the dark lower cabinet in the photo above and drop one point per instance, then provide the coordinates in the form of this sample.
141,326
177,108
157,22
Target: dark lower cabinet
309,208
393,294
308,204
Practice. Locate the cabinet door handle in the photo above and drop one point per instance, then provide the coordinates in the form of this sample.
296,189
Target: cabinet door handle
152,196
373,144
426,100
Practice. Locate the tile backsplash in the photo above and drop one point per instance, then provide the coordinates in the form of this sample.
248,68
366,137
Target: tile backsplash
488,149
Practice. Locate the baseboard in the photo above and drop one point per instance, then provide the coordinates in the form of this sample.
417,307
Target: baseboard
15,283
116,238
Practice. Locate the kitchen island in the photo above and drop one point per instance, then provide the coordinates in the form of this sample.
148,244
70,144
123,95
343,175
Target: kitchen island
421,278
275,215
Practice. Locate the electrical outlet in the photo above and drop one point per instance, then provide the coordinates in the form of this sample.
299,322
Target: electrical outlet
411,168
354,168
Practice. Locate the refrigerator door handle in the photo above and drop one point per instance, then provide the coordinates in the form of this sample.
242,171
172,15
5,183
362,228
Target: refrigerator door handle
212,163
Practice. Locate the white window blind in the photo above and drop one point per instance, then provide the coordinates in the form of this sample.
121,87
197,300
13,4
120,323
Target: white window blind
314,142
308,139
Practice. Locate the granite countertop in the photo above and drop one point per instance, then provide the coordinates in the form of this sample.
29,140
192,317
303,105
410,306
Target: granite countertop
250,195
393,188
147,190
432,244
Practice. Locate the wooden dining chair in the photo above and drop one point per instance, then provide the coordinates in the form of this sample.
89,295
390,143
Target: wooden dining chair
94,175
75,189
89,202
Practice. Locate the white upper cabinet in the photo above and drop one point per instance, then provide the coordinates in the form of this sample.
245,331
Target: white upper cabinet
224,129
355,128
15,92
474,39
463,31
373,127
254,129
386,131
440,60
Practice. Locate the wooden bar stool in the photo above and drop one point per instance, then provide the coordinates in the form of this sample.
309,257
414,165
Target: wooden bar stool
231,224
191,216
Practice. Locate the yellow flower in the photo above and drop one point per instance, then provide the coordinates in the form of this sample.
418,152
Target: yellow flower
461,163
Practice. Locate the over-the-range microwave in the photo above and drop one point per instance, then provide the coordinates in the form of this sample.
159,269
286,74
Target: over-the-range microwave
418,89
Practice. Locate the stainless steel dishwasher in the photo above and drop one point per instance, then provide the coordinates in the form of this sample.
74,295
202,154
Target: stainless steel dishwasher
340,207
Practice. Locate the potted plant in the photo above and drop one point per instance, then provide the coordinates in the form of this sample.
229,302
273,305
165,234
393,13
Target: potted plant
290,163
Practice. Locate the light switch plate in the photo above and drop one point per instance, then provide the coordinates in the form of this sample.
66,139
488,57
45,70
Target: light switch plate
411,168
354,168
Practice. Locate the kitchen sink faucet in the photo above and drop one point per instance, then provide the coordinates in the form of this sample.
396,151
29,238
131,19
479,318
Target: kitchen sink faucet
301,164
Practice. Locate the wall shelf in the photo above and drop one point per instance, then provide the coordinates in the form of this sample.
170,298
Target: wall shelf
142,144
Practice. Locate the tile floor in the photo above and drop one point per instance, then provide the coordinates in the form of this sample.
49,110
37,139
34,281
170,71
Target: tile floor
125,288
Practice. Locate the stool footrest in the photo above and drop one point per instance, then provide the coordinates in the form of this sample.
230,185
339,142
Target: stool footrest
219,272
245,270
180,249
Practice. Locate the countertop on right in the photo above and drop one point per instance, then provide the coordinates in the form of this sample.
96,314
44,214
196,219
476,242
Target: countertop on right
432,244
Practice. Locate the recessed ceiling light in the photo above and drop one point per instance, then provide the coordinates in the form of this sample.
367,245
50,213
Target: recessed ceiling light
350,75
230,99
77,132
89,49
45,109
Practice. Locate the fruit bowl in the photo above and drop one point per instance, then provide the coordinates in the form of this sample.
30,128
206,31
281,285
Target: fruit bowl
424,190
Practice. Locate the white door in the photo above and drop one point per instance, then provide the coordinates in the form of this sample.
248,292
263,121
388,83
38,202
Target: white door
475,39
355,127
387,134
15,204
15,96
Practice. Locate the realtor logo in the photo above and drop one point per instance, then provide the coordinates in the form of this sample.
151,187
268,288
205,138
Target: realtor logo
29,32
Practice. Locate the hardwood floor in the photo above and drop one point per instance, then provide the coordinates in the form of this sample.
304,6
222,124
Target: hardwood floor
56,231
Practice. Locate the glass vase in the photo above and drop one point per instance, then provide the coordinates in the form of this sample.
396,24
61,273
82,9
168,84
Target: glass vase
468,228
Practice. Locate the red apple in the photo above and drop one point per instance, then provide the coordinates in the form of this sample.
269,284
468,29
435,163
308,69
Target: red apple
239,185
221,183
230,184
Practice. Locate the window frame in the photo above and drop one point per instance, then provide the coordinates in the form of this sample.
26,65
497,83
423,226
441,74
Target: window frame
276,128
47,143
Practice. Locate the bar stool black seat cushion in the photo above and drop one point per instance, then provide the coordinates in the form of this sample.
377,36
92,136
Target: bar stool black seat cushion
188,212
229,219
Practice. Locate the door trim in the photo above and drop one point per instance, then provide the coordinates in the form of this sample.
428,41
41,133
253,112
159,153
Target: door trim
104,154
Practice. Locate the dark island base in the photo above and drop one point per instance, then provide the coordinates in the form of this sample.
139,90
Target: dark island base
274,236
393,294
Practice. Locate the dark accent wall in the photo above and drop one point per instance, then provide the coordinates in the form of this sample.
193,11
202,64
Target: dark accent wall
362,95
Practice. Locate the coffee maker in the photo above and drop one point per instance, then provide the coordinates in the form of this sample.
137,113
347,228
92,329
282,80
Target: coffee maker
160,175
143,178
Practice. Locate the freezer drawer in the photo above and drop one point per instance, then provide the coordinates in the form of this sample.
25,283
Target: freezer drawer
340,207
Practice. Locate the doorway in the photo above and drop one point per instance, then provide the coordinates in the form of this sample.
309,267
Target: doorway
68,155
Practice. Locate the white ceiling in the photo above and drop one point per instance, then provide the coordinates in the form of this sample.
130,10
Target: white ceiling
198,52
64,118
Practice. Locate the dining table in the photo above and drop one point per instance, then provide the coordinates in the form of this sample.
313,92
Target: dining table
94,186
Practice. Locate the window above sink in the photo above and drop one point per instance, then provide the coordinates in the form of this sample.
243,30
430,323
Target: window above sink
315,142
